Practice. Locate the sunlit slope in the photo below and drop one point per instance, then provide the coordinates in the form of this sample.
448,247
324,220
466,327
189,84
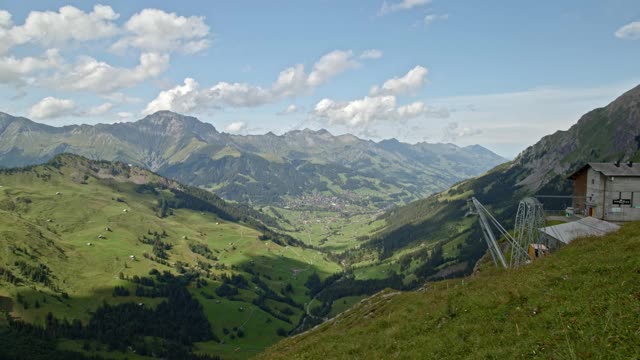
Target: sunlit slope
84,222
581,302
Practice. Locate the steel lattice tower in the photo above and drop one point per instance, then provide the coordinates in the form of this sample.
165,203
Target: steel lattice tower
529,219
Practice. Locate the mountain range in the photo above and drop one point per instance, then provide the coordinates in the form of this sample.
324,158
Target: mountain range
261,169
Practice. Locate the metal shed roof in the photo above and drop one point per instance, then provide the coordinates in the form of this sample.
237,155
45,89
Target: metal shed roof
611,169
588,226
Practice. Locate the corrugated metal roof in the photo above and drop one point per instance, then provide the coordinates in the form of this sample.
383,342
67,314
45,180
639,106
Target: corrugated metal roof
610,169
588,226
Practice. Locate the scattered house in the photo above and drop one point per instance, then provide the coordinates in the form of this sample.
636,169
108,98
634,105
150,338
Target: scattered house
107,229
184,237
58,193
89,244
101,236
562,234
125,210
607,191
49,220
132,257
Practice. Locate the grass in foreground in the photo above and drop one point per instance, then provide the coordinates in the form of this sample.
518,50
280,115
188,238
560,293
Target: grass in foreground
581,302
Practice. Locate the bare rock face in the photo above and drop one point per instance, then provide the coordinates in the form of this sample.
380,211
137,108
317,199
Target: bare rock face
605,134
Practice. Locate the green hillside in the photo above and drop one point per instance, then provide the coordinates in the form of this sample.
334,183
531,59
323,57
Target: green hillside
81,239
580,302
412,232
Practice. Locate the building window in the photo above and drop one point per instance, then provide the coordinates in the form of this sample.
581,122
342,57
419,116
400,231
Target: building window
593,181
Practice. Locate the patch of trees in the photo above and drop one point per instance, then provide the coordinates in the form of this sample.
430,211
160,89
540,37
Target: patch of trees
176,323
230,285
179,318
347,285
120,291
225,290
202,249
260,302
270,294
281,239
235,331
163,209
167,331
322,310
406,259
160,247
18,344
146,189
40,273
7,276
314,284
429,267
235,280
279,215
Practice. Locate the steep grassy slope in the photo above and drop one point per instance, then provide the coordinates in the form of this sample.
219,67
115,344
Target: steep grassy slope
73,230
262,169
580,302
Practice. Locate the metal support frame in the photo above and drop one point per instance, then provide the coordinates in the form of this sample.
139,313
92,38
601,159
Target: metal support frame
529,219
488,222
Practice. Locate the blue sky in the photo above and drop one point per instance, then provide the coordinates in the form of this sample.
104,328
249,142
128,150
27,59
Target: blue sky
498,73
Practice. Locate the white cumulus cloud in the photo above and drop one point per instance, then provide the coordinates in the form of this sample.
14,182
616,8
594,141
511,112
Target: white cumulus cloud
453,131
99,110
371,54
361,113
291,109
159,31
430,18
236,127
629,31
330,65
15,70
290,82
402,5
50,28
124,116
410,82
50,108
89,74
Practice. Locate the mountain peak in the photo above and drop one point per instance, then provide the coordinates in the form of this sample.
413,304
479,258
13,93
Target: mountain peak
307,131
174,122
